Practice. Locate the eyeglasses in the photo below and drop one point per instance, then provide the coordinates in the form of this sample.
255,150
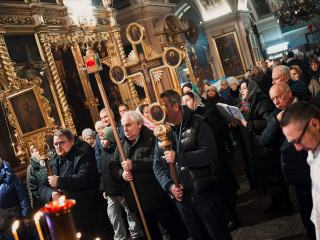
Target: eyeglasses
303,132
61,143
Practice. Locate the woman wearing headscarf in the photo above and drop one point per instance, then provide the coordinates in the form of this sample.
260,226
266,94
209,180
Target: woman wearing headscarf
264,82
229,186
262,163
143,109
297,74
212,97
188,87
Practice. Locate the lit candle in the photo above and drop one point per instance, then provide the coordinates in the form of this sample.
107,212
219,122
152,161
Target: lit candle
36,220
14,229
78,235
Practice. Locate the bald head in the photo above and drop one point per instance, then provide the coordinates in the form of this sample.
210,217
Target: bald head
281,95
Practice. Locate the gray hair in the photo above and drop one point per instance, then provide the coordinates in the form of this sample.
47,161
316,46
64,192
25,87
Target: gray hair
103,110
134,116
173,97
284,70
64,132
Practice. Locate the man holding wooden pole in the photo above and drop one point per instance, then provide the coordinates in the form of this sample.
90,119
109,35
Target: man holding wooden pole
138,146
194,155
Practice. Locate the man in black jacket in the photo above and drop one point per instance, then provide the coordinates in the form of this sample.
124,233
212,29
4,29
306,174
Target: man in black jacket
138,145
293,163
76,176
194,154
282,74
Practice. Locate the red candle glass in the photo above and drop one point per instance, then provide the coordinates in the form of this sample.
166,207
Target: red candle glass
59,219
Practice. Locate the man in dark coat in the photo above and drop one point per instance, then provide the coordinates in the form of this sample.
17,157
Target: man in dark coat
282,74
76,176
138,146
293,163
194,154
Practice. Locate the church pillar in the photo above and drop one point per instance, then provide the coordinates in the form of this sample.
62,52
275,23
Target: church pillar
44,40
5,60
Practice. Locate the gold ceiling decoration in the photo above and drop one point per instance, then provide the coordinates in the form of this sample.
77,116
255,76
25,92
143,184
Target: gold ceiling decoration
54,21
15,20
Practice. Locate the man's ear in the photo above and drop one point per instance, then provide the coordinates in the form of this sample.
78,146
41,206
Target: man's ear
316,124
176,107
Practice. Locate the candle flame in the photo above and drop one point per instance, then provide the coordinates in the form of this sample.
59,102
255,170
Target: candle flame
97,239
78,235
61,200
37,216
15,225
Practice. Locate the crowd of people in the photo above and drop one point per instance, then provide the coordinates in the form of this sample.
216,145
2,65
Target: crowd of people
280,124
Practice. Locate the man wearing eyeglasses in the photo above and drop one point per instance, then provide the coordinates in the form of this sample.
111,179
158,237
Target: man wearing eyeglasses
301,126
293,163
76,176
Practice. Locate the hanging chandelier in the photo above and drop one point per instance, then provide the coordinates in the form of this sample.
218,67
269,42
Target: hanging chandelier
290,12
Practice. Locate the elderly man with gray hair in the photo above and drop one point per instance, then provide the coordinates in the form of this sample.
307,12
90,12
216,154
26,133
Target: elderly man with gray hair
138,145
282,74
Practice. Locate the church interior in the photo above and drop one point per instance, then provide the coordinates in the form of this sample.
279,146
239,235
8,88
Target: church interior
61,61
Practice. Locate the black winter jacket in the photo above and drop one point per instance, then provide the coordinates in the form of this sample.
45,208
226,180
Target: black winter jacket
110,186
195,159
262,163
79,181
141,153
293,163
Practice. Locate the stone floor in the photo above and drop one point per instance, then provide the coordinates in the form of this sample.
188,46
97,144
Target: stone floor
255,224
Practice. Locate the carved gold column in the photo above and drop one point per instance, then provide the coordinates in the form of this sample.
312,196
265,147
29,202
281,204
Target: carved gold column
6,61
44,40
133,93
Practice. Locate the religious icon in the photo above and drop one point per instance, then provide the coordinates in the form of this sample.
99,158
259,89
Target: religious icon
157,113
172,57
134,33
28,113
117,74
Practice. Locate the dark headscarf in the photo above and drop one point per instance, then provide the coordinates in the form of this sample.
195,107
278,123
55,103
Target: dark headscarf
253,89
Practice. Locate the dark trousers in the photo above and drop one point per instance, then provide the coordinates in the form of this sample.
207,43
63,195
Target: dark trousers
168,217
204,215
304,197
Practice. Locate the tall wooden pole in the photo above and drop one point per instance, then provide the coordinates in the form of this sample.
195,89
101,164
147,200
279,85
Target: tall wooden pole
122,154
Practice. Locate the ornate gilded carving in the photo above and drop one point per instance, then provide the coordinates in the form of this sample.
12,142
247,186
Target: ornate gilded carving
15,20
117,37
93,101
44,40
133,93
54,21
104,21
7,64
80,38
